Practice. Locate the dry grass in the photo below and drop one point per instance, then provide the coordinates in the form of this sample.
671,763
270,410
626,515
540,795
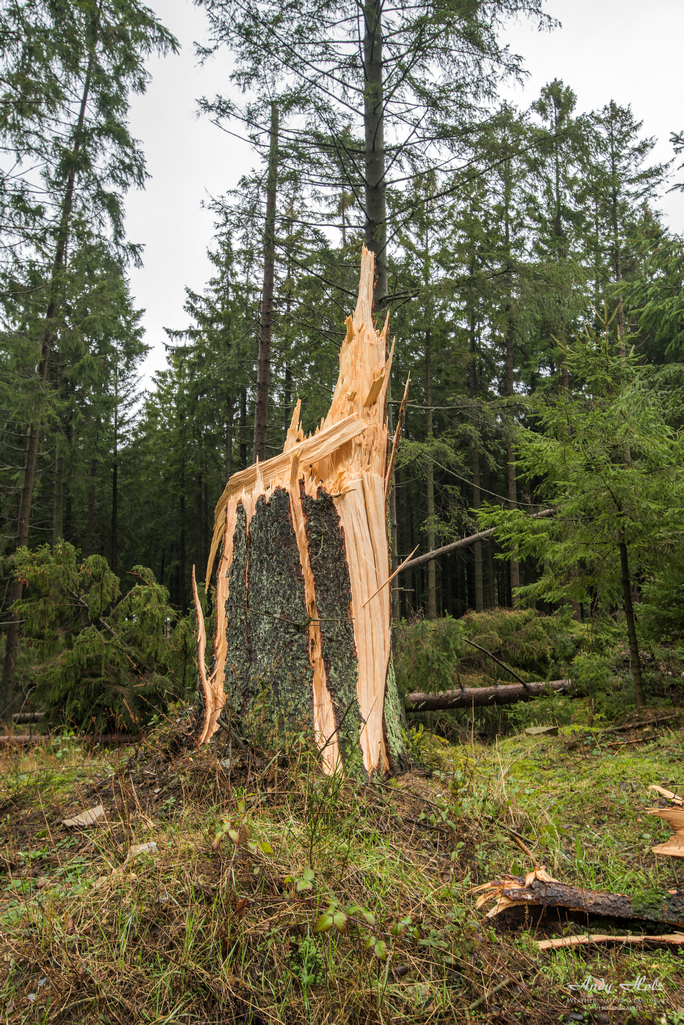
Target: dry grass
194,932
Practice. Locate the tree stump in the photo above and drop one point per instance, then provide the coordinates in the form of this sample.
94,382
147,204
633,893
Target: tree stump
303,620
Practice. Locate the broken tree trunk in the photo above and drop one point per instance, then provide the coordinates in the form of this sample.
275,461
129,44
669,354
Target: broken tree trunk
302,642
506,694
539,889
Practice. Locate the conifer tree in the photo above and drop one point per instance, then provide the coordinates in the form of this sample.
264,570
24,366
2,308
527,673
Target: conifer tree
67,78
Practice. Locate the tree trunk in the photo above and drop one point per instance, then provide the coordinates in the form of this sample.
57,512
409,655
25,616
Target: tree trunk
91,510
477,548
373,115
510,454
634,658
302,643
466,697
58,501
264,366
430,484
229,436
243,428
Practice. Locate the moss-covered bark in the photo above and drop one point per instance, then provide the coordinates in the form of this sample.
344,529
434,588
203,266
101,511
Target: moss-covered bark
328,560
269,679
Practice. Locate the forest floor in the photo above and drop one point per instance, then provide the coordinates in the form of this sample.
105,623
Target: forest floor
197,894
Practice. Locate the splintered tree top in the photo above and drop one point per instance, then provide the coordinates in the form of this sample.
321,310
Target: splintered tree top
303,604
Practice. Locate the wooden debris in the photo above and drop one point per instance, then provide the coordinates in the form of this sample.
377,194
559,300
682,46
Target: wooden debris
542,731
85,818
302,641
506,694
674,847
538,889
27,717
674,938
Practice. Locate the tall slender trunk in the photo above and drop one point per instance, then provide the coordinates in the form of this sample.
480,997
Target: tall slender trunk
631,626
489,552
264,367
29,475
91,510
243,428
430,483
58,500
182,601
617,263
477,553
373,116
199,518
229,435
510,453
114,522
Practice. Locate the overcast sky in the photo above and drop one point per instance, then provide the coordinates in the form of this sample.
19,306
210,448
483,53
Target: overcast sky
625,50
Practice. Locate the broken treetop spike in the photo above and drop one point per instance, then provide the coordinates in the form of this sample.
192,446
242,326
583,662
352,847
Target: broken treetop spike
364,303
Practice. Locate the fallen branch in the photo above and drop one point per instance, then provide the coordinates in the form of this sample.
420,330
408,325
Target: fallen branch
465,542
676,938
540,890
27,717
497,660
506,694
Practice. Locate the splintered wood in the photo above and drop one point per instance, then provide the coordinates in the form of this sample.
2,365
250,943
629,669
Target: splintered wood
674,847
302,637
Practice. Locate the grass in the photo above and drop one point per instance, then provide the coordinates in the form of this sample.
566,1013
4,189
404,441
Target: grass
263,892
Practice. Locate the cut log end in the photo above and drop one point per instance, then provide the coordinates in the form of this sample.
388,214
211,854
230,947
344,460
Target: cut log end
302,642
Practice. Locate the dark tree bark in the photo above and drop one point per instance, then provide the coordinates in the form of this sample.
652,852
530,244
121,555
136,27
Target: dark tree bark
229,436
375,183
634,657
90,525
264,365
477,548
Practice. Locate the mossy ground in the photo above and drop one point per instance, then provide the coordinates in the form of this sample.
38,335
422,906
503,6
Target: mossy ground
206,928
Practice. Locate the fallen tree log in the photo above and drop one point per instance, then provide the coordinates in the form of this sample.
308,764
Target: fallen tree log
506,694
539,889
302,641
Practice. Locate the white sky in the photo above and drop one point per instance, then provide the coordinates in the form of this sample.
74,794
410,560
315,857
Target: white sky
625,50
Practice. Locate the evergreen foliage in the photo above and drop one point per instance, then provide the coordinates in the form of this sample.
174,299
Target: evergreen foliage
100,660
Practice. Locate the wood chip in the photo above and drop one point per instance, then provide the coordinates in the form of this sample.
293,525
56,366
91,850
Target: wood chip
86,818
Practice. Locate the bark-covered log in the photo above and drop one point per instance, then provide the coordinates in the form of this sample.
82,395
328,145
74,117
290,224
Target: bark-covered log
506,694
550,893
302,642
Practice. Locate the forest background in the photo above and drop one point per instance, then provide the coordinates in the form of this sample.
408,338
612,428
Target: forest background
533,287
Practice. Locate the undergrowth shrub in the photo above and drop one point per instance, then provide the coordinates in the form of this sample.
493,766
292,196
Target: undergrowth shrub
435,656
101,660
